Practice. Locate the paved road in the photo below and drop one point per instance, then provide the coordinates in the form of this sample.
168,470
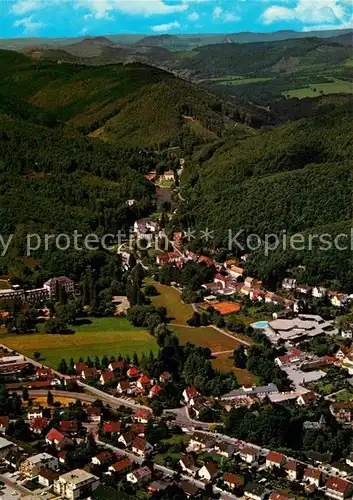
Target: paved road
183,419
17,487
86,398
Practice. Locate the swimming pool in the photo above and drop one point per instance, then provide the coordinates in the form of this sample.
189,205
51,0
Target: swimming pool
260,324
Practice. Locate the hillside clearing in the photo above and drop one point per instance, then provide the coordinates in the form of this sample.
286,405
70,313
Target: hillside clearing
337,87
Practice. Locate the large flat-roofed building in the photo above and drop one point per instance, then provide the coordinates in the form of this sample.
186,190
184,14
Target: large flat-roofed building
51,285
297,329
77,483
251,391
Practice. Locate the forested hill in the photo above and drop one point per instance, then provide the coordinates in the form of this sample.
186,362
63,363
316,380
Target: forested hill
297,178
130,105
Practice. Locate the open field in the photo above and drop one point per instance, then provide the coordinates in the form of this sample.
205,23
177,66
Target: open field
224,363
42,401
170,298
243,81
337,87
110,336
207,337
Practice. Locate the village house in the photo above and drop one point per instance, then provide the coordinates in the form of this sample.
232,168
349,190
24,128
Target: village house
274,459
201,441
291,468
89,373
32,465
337,299
34,412
306,399
57,439
209,471
102,458
138,429
139,476
80,366
120,466
126,438
77,483
292,356
116,365
132,372
4,424
190,489
145,229
187,463
235,271
94,413
111,427
275,495
143,383
338,488
106,377
69,426
37,425
164,377
289,284
46,477
62,456
155,390
313,476
141,447
319,292
124,387
255,491
303,289
225,449
249,454
142,416
233,481
189,393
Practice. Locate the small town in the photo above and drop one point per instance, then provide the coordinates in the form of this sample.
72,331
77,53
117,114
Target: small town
118,425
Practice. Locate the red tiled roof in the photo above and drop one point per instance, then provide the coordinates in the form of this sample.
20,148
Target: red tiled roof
140,444
338,484
142,413
229,477
111,427
104,456
121,465
38,423
314,473
190,391
291,465
156,389
4,421
249,450
278,496
108,376
138,428
117,365
275,457
79,367
144,380
165,375
132,372
69,425
55,435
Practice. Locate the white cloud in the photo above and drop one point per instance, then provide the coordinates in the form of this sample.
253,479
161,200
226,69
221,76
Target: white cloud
229,17
217,12
225,17
28,24
314,12
162,28
194,16
102,9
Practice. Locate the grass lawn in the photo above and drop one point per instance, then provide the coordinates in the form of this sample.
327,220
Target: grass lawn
344,396
206,337
169,298
161,457
110,336
337,87
225,364
244,81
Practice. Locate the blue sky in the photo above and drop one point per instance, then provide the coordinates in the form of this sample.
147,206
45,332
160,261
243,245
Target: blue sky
59,18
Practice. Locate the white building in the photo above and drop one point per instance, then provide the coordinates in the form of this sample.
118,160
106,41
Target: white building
76,484
32,465
63,281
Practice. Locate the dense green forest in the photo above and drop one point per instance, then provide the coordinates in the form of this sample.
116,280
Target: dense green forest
296,177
